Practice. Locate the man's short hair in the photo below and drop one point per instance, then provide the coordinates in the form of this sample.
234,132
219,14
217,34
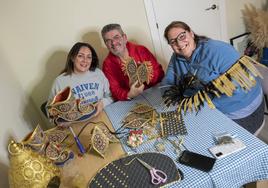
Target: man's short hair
110,27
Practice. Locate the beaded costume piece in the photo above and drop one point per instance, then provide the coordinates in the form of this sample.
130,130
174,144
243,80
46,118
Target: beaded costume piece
48,143
100,138
65,108
242,73
142,73
99,141
141,115
128,172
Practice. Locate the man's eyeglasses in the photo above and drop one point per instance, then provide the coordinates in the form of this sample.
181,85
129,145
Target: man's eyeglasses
180,37
116,38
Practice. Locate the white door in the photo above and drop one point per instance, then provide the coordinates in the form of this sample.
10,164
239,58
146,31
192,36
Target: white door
205,17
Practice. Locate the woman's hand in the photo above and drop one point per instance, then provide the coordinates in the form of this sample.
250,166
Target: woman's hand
64,125
99,107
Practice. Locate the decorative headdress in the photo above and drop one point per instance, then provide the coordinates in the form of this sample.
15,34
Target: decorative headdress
29,169
243,73
65,108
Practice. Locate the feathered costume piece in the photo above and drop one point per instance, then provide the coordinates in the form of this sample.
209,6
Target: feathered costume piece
142,72
190,92
257,24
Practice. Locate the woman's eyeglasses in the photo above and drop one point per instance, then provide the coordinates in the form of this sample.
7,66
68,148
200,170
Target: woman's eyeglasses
181,37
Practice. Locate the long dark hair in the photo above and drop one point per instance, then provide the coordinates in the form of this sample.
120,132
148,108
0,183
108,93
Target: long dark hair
69,66
183,25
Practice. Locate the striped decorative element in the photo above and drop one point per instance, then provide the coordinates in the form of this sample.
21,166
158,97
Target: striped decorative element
241,74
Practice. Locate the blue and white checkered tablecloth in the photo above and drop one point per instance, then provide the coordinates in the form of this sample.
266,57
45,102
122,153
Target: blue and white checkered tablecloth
233,171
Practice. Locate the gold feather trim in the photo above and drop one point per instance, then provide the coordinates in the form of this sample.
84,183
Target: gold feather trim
242,73
150,70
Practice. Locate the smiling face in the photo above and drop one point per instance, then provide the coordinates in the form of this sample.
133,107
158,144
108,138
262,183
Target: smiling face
181,41
82,61
115,42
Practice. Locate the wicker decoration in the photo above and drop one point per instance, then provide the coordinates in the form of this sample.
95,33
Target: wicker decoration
139,116
142,72
48,143
65,108
243,73
172,123
28,169
257,24
36,140
100,138
99,141
108,133
142,108
131,69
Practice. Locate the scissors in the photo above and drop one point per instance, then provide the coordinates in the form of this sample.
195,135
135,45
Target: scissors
157,176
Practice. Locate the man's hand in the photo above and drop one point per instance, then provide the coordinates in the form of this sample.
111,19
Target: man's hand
135,90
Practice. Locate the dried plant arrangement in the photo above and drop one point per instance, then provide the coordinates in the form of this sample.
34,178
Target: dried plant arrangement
257,24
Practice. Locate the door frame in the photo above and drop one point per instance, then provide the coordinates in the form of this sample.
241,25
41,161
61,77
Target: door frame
149,8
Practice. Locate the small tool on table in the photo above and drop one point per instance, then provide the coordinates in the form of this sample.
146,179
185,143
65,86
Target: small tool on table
78,143
157,176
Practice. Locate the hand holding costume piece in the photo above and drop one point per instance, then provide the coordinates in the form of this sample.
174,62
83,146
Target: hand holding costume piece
99,107
64,125
135,90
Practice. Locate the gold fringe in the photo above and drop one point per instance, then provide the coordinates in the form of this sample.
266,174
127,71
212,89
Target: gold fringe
125,64
150,70
242,73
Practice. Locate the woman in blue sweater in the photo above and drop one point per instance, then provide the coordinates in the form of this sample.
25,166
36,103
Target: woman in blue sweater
207,59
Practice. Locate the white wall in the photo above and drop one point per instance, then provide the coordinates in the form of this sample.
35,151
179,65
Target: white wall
16,114
234,17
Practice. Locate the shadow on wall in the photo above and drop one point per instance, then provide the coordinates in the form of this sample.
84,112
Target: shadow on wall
54,65
3,175
265,6
94,38
30,112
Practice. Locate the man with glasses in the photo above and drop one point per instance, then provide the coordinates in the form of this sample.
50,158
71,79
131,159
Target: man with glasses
121,52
